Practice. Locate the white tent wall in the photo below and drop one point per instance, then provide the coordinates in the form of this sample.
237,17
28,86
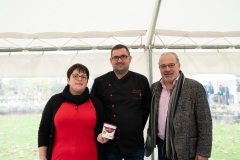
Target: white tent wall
56,64
52,64
202,61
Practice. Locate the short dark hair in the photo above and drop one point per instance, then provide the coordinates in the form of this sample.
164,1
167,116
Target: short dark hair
120,46
80,68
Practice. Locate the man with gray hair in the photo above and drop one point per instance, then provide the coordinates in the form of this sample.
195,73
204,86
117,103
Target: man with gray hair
180,122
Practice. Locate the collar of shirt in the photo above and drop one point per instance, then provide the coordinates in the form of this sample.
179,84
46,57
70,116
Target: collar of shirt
116,78
163,108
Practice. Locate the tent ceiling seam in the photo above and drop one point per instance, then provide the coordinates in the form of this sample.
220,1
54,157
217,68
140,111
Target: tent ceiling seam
176,41
66,43
117,40
29,43
12,43
193,41
227,40
161,40
210,41
46,43
135,41
101,42
84,42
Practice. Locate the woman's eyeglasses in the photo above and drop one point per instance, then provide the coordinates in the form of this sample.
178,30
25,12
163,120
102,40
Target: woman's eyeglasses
76,77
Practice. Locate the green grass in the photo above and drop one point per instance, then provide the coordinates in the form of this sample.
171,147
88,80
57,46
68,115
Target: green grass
18,139
226,142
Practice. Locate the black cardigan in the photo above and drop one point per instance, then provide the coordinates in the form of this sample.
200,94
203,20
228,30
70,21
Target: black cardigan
46,127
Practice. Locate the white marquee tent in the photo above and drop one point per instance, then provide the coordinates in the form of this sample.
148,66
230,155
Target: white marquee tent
42,38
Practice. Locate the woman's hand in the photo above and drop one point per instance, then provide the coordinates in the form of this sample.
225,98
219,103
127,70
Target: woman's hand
198,157
101,139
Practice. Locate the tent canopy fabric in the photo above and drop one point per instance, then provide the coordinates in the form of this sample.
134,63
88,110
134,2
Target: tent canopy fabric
50,25
35,34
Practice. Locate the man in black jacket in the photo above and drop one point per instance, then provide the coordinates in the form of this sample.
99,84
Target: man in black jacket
126,98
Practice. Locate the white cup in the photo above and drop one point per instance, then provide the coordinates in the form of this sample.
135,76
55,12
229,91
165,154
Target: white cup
108,130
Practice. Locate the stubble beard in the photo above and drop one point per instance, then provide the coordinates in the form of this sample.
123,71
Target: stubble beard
121,70
168,80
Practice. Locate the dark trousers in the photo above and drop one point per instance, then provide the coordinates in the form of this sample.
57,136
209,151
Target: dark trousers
160,146
138,155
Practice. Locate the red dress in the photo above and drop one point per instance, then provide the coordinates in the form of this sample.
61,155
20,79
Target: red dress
75,137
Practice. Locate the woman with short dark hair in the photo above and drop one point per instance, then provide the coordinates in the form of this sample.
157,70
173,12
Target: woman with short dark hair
71,121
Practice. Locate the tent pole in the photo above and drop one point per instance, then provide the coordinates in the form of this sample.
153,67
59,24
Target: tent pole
150,64
150,78
153,23
149,43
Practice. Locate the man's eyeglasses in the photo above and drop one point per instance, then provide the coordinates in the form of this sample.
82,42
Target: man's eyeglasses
122,57
170,65
76,77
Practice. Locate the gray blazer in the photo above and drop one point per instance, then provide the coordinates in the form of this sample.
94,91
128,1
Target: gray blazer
192,121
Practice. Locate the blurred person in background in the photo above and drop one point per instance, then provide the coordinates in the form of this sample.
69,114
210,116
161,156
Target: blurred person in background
71,121
226,94
221,96
238,92
210,91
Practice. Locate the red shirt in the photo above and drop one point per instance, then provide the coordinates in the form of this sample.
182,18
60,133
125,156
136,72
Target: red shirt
74,132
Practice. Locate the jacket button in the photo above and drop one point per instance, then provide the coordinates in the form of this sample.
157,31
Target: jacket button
117,137
112,106
110,95
114,115
109,84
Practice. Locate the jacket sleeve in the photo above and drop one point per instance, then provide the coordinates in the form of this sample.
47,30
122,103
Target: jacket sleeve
152,126
96,89
204,123
44,131
100,114
99,125
146,101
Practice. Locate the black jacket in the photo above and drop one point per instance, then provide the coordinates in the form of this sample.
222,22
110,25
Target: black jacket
46,127
127,104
